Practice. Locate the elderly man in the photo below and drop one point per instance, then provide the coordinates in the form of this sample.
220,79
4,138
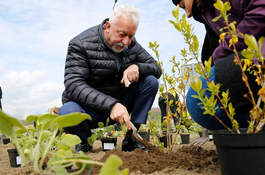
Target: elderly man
109,74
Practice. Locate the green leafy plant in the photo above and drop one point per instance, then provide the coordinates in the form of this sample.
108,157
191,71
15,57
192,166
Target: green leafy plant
195,127
252,54
41,145
186,122
183,130
104,131
253,62
181,74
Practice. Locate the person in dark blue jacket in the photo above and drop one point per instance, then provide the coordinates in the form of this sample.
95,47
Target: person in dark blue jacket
109,74
249,16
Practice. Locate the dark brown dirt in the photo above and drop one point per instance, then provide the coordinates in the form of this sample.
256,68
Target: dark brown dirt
150,162
182,160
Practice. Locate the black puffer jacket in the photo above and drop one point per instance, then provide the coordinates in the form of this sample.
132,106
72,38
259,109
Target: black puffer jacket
91,75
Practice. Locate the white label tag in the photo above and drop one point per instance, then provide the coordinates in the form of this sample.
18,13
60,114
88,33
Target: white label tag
109,146
210,136
19,160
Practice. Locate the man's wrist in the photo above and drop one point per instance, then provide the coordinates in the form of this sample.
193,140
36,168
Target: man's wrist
138,65
113,104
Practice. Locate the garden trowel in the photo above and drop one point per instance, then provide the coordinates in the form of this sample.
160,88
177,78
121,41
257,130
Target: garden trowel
138,137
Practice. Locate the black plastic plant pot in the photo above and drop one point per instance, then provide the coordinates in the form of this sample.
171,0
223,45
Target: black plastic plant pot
108,143
164,140
240,153
6,141
145,135
200,133
14,157
185,138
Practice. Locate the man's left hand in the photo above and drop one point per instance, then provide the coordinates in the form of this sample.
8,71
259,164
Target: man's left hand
131,74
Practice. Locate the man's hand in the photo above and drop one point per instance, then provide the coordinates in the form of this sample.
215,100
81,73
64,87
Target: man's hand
131,74
120,114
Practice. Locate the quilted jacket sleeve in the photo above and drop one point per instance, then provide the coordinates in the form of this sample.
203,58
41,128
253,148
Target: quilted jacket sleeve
75,78
146,63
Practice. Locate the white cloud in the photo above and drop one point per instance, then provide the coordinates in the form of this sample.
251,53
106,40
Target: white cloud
23,78
24,92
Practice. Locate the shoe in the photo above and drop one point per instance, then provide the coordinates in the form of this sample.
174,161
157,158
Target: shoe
131,144
85,147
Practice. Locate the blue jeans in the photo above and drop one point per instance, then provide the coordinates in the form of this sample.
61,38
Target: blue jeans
138,98
208,121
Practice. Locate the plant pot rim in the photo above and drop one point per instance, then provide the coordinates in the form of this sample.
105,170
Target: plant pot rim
242,131
226,138
108,138
12,150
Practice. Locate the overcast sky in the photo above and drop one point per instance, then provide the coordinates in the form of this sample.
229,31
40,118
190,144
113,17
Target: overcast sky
34,38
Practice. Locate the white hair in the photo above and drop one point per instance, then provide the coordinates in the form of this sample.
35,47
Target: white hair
131,12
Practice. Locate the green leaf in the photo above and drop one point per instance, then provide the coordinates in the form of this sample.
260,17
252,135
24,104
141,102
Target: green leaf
124,128
219,5
112,165
177,26
216,18
197,85
100,124
8,124
32,118
92,139
46,120
58,169
107,121
68,153
45,135
21,131
195,42
70,119
55,157
248,54
251,42
208,65
70,139
233,27
227,6
60,153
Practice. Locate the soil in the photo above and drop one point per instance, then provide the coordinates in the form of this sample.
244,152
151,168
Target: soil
182,160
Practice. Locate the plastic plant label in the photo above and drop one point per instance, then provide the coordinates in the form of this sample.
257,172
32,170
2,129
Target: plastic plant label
19,160
109,146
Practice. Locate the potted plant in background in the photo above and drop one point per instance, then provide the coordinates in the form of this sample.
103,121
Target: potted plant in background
175,84
184,134
6,139
164,141
240,151
107,135
144,131
196,128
